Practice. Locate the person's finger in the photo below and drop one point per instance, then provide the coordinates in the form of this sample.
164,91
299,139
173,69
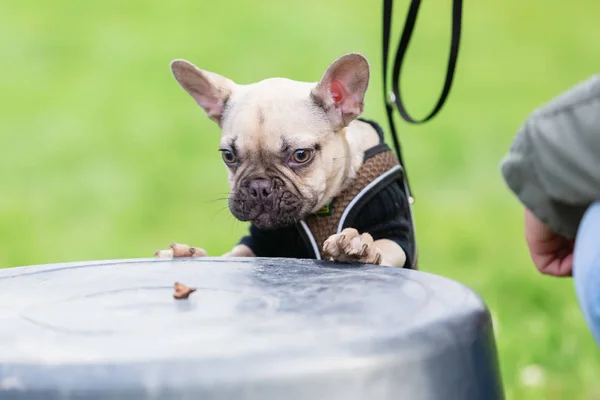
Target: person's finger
554,265
550,253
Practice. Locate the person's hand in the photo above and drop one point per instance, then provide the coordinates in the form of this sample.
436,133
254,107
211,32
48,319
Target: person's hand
551,253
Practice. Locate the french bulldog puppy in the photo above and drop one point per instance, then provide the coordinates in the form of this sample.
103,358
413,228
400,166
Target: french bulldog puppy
290,148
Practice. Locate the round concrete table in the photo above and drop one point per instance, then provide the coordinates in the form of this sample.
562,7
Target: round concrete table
254,329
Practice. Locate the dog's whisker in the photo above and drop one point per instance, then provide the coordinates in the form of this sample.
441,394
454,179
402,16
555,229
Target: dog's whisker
234,223
215,200
219,211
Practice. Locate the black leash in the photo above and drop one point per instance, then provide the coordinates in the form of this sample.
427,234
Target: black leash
394,97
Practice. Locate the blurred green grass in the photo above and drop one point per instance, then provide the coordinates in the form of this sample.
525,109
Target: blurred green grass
104,156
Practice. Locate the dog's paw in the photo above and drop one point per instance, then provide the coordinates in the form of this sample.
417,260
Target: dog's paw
349,246
180,250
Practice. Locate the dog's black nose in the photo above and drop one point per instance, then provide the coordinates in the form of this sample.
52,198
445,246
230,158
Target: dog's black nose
261,188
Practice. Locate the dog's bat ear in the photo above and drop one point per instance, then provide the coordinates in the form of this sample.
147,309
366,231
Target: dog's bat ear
341,90
211,91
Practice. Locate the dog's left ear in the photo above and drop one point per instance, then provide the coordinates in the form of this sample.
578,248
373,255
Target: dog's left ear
341,91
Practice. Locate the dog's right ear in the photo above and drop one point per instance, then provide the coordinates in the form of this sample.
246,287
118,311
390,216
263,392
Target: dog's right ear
341,90
211,91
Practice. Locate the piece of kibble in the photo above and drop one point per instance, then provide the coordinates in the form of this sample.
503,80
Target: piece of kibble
182,291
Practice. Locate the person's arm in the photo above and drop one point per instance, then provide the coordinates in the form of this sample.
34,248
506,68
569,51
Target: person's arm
553,166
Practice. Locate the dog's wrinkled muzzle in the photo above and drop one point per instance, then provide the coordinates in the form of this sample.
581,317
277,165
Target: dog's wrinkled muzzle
266,204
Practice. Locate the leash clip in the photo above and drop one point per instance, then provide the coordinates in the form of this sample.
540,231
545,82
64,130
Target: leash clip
391,99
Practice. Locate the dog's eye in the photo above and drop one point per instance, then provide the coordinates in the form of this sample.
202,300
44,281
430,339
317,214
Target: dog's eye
228,156
302,156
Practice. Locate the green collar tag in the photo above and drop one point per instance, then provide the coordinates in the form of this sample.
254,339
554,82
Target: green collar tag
324,211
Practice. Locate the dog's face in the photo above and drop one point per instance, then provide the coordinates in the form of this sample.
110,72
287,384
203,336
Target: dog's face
282,140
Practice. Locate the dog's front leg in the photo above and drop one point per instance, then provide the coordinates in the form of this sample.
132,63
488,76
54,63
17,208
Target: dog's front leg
177,250
349,246
392,253
240,250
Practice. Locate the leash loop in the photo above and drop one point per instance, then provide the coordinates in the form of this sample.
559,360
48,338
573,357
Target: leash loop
393,98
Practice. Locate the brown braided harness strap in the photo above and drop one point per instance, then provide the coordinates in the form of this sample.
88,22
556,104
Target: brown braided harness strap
324,226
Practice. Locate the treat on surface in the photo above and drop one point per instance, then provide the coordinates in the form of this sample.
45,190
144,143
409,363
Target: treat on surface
182,291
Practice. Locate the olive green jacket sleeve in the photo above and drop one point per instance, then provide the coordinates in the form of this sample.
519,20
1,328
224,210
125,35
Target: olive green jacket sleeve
553,165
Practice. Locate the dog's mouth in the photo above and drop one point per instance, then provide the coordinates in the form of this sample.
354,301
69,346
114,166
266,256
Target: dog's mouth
264,219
